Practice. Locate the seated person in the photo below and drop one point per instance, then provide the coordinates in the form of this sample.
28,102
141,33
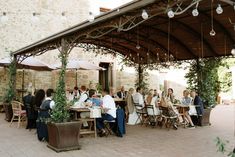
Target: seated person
76,93
197,101
186,100
122,93
170,95
155,93
93,100
112,92
168,109
83,98
138,97
109,114
154,103
149,97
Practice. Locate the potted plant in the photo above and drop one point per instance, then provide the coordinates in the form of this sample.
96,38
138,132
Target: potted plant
63,134
10,94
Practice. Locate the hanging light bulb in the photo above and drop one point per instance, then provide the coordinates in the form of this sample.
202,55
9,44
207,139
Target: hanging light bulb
233,50
212,32
91,17
4,17
195,12
219,9
144,14
170,13
35,18
137,46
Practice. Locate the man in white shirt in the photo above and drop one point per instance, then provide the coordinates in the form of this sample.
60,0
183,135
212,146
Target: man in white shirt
110,111
83,98
138,97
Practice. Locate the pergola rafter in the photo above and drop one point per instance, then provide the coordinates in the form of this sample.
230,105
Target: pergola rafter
186,39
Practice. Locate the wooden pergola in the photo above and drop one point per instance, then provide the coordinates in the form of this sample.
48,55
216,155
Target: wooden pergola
151,39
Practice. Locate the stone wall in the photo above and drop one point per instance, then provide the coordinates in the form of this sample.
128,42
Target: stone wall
19,31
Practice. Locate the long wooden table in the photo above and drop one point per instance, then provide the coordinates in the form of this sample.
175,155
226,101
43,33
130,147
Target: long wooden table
77,112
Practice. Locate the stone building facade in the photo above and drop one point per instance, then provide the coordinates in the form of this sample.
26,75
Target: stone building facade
29,21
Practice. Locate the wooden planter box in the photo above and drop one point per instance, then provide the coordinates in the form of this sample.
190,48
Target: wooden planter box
64,136
8,111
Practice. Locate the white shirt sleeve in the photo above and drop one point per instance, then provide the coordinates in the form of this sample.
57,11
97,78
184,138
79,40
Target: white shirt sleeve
52,104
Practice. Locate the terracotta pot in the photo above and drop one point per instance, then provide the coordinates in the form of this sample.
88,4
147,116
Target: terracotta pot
64,136
206,117
8,111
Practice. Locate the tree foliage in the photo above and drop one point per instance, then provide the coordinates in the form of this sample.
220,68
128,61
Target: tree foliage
142,77
203,77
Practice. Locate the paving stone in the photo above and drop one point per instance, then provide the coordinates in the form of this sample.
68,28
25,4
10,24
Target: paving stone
140,141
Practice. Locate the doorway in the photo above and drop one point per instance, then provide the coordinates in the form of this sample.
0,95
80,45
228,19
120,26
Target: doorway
105,76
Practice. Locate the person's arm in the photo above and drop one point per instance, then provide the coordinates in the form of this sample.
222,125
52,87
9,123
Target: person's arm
141,100
52,104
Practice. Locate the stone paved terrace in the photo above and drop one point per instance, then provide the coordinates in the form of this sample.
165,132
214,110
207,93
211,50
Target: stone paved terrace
138,142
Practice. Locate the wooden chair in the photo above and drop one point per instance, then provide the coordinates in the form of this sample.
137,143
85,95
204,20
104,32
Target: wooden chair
167,119
18,113
152,115
109,126
141,113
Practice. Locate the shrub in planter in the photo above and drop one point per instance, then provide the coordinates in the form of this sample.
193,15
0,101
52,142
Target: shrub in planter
10,94
62,134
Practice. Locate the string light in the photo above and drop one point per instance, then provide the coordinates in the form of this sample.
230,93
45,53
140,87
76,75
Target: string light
170,13
195,12
144,14
219,9
233,50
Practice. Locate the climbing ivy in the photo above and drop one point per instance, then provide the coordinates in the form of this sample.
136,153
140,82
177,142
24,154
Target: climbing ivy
10,94
203,77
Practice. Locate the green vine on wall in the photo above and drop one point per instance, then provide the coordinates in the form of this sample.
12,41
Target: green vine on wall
10,94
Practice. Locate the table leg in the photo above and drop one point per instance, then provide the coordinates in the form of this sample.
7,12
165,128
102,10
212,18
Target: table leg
95,127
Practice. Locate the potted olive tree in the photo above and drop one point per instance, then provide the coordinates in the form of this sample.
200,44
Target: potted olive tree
63,134
10,93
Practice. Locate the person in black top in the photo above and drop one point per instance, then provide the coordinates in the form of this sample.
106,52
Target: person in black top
39,97
197,101
44,113
31,113
122,93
